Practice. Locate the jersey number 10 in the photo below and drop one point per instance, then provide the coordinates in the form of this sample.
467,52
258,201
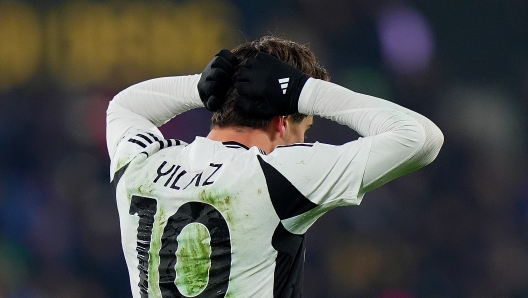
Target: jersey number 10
188,213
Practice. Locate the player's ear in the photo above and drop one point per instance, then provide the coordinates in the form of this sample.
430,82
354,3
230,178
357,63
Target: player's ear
282,123
278,124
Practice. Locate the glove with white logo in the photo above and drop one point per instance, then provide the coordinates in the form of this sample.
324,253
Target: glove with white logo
269,87
216,80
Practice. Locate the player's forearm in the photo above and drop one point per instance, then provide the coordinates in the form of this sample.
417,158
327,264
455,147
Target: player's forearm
158,100
368,115
149,104
403,140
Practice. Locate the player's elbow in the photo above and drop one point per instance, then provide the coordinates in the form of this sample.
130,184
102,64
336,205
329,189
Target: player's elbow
438,138
433,141
422,141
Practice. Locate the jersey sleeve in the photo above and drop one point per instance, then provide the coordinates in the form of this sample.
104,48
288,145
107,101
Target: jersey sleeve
395,141
134,115
327,176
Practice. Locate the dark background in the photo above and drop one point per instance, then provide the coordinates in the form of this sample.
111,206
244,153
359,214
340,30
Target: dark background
456,228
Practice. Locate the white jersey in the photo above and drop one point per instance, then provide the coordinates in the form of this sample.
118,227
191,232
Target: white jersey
213,219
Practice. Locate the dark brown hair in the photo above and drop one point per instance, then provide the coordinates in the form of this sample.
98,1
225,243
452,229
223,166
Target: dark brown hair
293,53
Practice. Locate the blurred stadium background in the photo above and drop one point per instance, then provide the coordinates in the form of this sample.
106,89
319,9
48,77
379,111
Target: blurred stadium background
457,228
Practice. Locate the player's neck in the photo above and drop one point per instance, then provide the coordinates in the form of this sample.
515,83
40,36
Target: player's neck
265,140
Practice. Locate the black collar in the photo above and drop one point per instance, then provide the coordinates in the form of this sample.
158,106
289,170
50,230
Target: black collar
233,144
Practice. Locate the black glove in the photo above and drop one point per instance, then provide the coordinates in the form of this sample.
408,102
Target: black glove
216,80
269,87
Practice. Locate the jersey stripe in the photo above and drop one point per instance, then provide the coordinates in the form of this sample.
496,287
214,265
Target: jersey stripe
169,143
137,142
287,200
153,136
144,137
289,268
118,175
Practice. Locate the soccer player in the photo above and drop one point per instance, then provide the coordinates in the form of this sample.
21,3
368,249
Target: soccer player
225,216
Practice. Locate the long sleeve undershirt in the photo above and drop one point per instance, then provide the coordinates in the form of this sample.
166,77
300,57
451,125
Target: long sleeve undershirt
403,140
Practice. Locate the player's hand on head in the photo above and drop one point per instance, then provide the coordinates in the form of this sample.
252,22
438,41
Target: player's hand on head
216,80
268,86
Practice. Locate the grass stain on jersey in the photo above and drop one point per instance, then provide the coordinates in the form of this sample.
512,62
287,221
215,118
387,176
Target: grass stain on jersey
231,290
146,189
221,201
193,259
160,220
121,163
